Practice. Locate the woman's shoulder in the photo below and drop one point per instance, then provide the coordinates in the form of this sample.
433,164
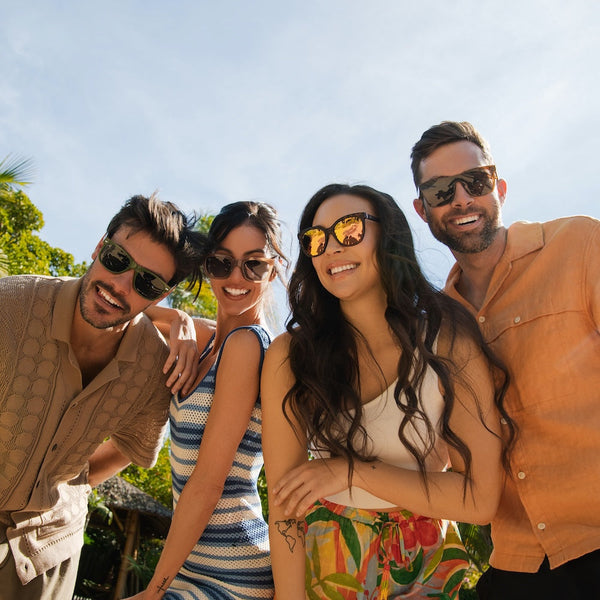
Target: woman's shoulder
280,346
250,332
245,342
277,373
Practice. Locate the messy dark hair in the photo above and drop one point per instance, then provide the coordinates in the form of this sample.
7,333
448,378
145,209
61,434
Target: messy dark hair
166,225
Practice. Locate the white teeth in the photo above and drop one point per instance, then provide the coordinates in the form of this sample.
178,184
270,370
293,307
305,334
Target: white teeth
235,292
336,270
465,220
108,298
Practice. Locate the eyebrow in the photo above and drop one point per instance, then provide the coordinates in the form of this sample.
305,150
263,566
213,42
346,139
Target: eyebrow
167,280
248,253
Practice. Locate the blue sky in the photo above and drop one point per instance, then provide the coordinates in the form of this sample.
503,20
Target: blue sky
213,102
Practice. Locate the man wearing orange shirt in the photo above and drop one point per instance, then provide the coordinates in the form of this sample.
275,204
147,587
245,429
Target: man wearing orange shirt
535,290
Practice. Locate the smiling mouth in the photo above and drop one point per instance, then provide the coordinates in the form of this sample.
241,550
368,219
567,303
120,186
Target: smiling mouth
108,298
341,268
236,292
466,220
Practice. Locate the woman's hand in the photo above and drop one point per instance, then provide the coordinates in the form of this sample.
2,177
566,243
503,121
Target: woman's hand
184,355
299,489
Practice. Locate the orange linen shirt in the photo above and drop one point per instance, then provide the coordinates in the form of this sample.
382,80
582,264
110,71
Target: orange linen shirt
541,315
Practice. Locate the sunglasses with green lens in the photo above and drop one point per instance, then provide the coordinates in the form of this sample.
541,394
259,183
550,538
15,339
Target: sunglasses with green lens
116,259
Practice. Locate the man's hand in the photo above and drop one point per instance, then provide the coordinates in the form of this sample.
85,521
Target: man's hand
183,358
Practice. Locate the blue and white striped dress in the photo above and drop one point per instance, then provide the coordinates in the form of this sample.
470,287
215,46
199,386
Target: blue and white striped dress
231,559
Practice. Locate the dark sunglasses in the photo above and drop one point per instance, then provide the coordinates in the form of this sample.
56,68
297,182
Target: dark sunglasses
477,182
221,266
348,231
116,259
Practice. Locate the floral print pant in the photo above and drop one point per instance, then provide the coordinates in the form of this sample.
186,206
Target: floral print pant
359,554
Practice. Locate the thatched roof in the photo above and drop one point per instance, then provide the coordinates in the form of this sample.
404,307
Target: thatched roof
119,494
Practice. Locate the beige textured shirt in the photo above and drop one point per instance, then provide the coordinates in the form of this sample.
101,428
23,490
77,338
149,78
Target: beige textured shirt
541,315
49,425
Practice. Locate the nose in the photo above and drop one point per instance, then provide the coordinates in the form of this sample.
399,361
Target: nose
236,273
122,283
461,196
332,245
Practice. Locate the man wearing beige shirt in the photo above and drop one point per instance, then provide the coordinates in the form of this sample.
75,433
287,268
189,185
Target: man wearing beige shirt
535,290
82,393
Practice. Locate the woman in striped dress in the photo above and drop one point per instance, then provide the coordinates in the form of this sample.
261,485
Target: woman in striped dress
217,546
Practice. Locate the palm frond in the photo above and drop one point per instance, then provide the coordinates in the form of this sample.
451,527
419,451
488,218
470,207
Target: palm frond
477,540
15,171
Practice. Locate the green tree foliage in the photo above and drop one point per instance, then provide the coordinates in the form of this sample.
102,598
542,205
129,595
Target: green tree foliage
24,251
21,250
195,302
198,301
3,264
12,173
155,481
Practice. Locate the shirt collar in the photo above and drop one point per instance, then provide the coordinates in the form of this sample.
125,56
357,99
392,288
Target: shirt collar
522,238
62,320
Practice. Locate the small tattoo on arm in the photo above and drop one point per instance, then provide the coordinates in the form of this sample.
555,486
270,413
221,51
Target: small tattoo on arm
286,529
161,585
300,531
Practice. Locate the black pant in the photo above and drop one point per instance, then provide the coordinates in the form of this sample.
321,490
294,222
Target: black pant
579,579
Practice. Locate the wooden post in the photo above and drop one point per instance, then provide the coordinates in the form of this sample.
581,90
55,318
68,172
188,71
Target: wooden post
131,533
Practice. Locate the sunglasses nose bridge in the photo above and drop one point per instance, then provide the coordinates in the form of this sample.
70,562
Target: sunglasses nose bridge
332,243
123,282
237,269
461,195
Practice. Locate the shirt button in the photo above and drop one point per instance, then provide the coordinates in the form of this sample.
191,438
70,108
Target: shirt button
517,319
541,526
482,319
521,475
503,421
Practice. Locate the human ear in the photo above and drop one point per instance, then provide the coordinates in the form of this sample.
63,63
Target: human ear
99,245
420,208
501,187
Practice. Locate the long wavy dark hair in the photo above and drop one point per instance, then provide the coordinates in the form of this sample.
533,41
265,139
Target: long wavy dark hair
323,351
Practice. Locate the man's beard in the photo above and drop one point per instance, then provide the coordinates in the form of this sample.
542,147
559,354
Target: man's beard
468,243
94,317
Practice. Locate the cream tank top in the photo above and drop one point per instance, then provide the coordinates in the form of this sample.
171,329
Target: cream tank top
381,420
